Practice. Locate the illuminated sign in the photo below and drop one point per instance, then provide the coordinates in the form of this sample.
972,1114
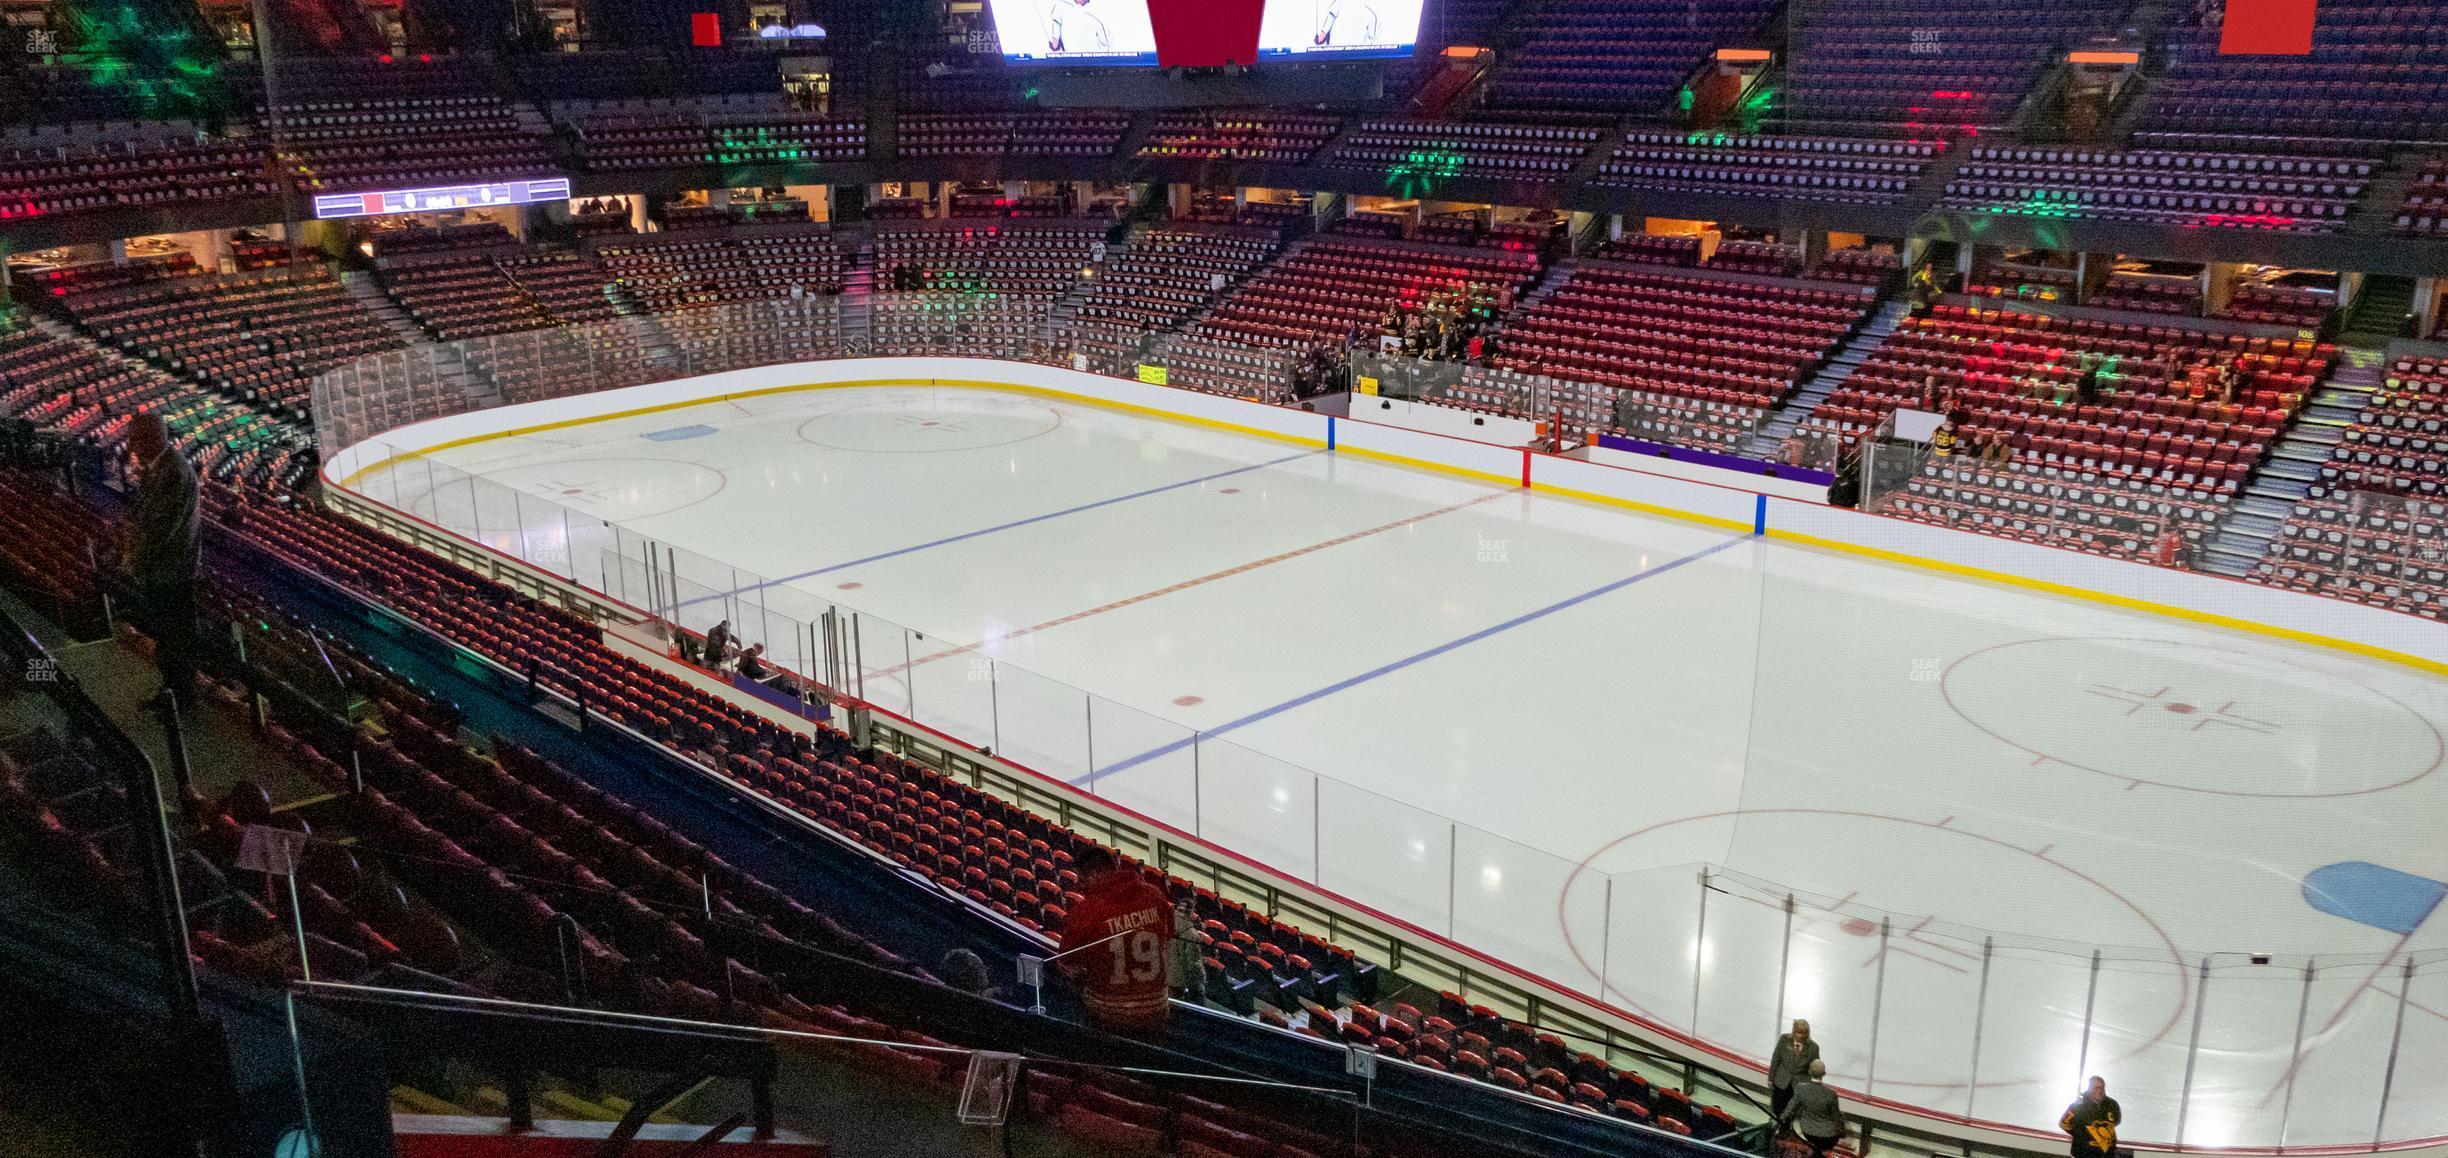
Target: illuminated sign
329,205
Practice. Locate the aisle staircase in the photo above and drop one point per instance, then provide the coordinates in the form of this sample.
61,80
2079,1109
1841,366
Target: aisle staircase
370,294
1769,439
1062,317
2380,311
855,308
449,367
2271,493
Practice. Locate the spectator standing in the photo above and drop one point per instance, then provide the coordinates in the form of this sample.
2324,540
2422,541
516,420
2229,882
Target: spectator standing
2091,1122
1812,1110
1187,963
1113,944
1789,1059
163,554
717,647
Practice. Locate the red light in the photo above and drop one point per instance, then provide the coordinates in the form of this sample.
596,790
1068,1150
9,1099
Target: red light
2268,28
385,58
424,58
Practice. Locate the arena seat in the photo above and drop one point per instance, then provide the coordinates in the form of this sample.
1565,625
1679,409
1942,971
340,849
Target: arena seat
2374,75
2425,209
2149,294
1592,60
1786,167
259,336
1262,136
2158,451
1162,277
1063,134
1928,68
2229,190
2369,528
1698,358
349,124
51,182
1324,288
676,270
1430,152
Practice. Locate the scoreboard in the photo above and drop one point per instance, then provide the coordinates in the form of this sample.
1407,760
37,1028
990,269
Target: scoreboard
330,205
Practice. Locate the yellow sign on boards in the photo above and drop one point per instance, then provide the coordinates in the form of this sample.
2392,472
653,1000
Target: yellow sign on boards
1366,385
1152,375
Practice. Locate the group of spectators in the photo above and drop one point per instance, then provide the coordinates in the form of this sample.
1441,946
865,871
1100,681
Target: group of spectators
1456,325
1321,368
604,207
1799,1099
722,652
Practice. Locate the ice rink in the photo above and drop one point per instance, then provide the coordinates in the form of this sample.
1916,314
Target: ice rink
1535,722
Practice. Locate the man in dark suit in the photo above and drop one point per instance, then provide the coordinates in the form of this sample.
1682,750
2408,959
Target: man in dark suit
1788,1060
1813,1112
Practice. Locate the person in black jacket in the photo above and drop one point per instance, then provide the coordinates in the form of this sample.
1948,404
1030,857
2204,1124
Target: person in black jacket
163,554
1788,1060
2091,1122
1846,491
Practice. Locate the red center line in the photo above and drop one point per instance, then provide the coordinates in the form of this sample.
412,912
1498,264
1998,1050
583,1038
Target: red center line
1211,577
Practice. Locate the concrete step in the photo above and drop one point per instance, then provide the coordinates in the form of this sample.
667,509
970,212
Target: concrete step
1788,414
370,294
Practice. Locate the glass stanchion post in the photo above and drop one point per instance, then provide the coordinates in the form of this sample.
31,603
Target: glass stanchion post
1699,949
2388,1077
1878,1002
1784,963
1980,1021
2082,1056
2303,1014
2184,1095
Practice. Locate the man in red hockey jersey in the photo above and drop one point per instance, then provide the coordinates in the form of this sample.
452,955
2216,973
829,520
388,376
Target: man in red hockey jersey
1113,944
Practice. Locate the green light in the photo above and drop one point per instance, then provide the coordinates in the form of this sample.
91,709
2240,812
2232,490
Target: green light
1418,173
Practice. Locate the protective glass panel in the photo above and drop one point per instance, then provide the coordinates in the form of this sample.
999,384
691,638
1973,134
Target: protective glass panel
1388,855
954,689
2032,1037
2139,1032
1653,942
1258,806
2247,1046
1041,723
1145,764
1533,909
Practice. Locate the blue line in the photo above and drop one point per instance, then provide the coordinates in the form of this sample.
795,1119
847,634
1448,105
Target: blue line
1330,432
1407,661
1759,516
999,527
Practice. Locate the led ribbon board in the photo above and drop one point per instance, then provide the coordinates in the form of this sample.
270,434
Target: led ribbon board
330,205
